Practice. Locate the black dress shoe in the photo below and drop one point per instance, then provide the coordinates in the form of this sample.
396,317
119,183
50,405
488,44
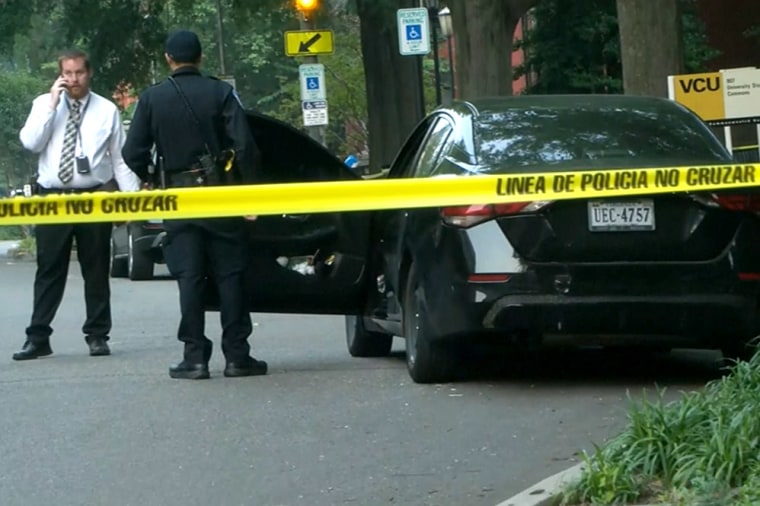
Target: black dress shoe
32,350
186,370
249,367
98,346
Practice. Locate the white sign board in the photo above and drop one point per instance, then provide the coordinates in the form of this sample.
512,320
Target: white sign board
742,93
314,112
413,31
312,77
724,98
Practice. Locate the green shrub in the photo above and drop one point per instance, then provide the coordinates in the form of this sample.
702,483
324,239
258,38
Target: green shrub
700,449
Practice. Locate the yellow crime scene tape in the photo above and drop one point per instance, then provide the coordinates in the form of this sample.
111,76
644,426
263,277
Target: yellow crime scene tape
363,195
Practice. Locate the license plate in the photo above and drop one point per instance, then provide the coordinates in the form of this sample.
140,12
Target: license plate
621,216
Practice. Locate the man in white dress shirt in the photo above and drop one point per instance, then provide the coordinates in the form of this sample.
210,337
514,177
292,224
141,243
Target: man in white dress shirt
78,135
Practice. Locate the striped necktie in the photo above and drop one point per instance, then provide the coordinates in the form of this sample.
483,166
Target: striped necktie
66,170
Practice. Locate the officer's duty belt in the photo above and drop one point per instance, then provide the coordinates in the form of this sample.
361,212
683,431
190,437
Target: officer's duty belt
187,178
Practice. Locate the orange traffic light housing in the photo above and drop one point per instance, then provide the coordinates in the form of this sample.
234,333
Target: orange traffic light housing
307,6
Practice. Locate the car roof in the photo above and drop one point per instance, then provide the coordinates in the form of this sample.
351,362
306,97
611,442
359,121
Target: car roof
491,105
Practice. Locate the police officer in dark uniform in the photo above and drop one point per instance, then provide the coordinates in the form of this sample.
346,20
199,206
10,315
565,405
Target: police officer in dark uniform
198,127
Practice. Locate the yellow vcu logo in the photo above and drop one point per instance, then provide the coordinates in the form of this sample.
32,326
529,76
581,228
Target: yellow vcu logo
700,84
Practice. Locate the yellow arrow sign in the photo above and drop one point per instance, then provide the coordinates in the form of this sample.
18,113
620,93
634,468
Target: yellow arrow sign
309,42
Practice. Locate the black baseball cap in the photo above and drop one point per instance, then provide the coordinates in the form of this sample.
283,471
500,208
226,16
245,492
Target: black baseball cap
183,46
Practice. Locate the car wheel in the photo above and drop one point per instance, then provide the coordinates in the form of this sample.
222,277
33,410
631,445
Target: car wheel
118,267
428,360
365,343
140,266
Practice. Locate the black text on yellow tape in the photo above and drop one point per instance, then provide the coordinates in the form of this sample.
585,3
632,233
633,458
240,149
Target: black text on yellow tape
377,194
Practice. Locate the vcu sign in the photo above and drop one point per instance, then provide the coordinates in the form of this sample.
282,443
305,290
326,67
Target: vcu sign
702,93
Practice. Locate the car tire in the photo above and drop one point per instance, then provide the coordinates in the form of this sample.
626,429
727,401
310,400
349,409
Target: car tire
366,343
118,267
428,360
139,264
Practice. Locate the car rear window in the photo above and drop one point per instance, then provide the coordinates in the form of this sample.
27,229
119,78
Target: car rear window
560,138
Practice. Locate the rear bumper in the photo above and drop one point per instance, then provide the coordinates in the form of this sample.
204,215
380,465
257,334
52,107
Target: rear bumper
706,320
693,318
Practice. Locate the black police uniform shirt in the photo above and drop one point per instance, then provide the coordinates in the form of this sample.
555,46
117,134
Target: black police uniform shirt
161,118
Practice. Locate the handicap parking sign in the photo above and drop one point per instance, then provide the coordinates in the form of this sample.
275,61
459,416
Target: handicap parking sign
312,76
413,31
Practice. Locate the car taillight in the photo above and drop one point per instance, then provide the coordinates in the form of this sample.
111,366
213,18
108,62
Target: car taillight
468,216
738,201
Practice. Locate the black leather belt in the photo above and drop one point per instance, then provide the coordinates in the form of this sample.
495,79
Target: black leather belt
48,191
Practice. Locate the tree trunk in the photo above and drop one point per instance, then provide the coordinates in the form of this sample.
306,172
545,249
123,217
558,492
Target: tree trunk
484,40
394,82
650,45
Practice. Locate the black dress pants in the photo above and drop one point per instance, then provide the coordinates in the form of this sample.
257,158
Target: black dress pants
210,250
53,254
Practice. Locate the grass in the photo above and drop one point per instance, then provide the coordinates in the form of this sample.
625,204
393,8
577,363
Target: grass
702,449
13,232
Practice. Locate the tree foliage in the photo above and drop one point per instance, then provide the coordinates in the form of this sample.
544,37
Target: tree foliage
574,46
347,130
125,38
17,90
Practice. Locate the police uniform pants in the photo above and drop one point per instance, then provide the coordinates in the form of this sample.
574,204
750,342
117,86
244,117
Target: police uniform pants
211,250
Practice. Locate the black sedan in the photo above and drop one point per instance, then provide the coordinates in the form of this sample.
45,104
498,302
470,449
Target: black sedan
670,270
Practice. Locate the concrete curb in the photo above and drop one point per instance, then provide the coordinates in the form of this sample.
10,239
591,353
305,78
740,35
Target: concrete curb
545,492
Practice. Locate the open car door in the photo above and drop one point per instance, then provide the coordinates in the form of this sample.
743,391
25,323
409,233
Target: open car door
302,263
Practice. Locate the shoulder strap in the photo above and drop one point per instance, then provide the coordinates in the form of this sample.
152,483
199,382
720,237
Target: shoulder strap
190,109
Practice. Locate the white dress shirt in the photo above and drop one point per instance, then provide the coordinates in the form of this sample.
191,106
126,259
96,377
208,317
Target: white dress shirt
100,140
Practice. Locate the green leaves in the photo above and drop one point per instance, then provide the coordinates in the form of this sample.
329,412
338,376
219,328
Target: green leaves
574,46
700,449
17,90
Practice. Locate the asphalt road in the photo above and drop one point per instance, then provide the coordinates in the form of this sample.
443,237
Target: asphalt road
320,429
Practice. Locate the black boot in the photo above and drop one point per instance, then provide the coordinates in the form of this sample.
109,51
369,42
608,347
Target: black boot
248,367
32,350
98,346
187,370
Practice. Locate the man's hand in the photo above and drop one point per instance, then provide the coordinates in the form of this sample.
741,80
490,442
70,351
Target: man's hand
59,85
250,217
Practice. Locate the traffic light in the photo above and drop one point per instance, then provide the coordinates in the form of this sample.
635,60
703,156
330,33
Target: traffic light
307,6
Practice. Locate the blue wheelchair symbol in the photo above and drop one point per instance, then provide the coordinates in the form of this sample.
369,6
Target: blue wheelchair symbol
312,83
413,32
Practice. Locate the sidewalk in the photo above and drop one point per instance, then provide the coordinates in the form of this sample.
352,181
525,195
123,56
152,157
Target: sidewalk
547,491
6,247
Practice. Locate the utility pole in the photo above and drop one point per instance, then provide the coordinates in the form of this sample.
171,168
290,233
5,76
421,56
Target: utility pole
220,37
315,132
311,102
